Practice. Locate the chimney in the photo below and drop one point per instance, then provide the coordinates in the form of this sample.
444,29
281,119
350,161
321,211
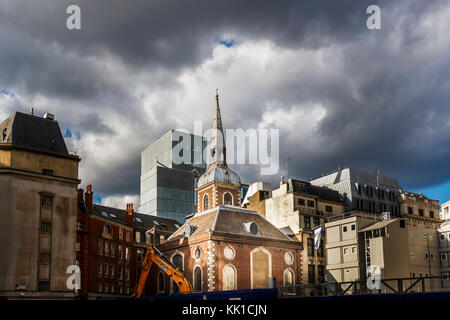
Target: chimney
80,195
88,195
130,215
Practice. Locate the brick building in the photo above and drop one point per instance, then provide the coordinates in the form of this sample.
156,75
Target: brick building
224,246
111,244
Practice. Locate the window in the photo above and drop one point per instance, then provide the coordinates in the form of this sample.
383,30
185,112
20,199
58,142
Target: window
197,253
77,246
119,272
311,203
328,208
421,212
120,233
177,260
162,238
321,273
353,227
205,202
344,228
310,247
128,235
301,202
353,249
106,249
100,268
47,172
346,250
227,198
44,258
140,256
127,274
46,227
112,250
288,258
127,254
410,210
44,286
112,288
79,226
402,224
288,280
138,236
316,221
106,269
320,251
229,253
431,214
107,229
99,287
229,277
111,270
197,279
311,274
161,283
307,222
46,201
100,247
120,290
120,254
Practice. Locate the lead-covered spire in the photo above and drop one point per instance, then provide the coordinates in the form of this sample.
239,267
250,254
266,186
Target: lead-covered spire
218,147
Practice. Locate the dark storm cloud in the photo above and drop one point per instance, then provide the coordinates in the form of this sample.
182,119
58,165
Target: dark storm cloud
388,107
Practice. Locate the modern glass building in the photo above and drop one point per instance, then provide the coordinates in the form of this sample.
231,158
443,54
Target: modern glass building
170,168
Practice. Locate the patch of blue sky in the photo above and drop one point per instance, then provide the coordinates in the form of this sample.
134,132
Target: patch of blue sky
226,42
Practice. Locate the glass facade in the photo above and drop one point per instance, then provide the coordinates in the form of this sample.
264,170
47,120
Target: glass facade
169,170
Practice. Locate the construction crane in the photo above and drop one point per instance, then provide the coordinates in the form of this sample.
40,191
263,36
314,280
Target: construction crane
154,256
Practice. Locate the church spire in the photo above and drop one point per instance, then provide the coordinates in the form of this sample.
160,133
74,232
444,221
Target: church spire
218,147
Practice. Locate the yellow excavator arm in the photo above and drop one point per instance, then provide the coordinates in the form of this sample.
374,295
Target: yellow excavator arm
154,256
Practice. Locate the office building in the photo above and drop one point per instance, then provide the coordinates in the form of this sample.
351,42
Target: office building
364,191
170,168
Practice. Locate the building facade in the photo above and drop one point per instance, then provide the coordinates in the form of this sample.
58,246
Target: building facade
111,244
38,211
364,191
297,207
170,168
444,253
445,211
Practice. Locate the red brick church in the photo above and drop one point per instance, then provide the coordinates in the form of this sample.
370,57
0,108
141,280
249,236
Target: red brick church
223,246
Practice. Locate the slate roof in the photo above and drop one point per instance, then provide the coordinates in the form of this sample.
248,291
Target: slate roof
226,219
32,131
142,222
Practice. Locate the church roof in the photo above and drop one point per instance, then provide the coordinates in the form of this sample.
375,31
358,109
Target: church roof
219,173
229,220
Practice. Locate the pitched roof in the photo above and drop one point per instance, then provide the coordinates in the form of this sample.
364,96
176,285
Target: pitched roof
141,221
32,131
323,193
226,219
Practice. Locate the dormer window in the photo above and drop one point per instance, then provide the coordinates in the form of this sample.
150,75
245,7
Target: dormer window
251,228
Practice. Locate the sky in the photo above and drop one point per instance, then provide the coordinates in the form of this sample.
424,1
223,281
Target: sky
340,94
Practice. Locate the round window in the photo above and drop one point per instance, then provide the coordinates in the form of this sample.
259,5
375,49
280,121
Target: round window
254,229
288,258
229,253
197,253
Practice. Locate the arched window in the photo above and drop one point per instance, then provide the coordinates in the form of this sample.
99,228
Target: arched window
205,202
260,267
229,277
197,279
177,260
227,198
288,279
161,283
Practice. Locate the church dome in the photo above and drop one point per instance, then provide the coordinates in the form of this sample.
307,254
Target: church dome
220,173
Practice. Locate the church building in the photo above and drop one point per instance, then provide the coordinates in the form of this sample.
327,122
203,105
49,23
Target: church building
223,246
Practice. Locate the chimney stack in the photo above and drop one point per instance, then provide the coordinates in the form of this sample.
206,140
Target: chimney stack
88,196
80,195
130,215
